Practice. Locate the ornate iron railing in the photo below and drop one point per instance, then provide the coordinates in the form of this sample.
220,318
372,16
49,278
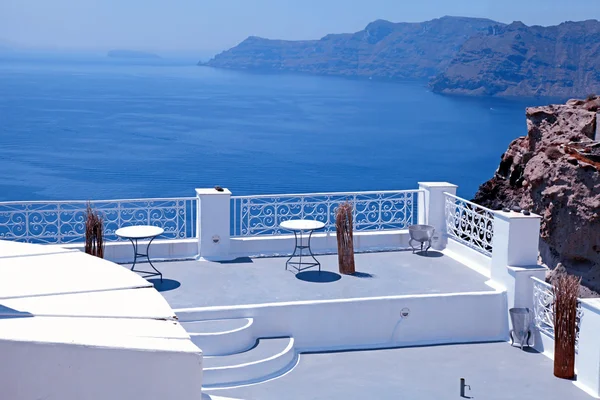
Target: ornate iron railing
261,215
64,221
543,309
470,223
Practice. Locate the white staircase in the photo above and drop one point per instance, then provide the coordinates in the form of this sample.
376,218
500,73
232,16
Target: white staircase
233,356
221,337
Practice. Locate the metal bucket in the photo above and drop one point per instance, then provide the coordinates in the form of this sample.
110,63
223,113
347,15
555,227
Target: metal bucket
521,319
422,234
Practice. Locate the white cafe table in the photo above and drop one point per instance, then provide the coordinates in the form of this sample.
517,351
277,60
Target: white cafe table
139,232
299,227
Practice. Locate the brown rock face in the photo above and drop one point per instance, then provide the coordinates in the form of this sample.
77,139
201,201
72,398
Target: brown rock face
554,171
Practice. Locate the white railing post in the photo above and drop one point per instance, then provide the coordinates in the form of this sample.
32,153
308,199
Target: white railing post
515,255
432,209
514,260
213,224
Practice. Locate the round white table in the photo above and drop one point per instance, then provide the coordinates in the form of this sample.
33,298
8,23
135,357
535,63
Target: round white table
300,226
135,233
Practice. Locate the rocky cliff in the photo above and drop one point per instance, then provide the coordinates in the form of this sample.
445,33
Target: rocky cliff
554,171
459,55
382,50
518,60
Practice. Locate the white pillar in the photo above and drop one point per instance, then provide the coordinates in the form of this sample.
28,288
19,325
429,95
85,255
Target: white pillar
597,136
514,258
432,209
213,226
515,243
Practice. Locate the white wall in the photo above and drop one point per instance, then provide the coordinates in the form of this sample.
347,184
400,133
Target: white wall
72,372
469,257
321,243
373,322
587,360
78,327
166,249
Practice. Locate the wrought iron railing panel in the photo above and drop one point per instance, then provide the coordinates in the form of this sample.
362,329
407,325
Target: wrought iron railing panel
470,223
64,222
543,309
261,215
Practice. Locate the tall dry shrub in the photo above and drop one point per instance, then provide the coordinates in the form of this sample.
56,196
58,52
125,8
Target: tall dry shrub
566,289
345,239
94,228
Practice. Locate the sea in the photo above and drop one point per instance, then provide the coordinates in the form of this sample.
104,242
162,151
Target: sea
95,128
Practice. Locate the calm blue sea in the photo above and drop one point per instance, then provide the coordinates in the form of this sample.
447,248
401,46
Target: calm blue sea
102,129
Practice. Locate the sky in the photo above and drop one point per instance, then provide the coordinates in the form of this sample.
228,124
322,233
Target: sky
215,25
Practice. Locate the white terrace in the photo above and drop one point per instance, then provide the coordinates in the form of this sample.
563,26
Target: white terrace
229,320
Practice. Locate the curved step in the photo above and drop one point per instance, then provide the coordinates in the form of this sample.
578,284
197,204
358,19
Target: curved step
221,337
268,358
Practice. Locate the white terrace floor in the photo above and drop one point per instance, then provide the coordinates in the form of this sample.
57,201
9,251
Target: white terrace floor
495,371
265,280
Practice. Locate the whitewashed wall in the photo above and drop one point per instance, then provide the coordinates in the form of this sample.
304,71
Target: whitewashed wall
373,322
469,257
32,370
587,360
122,252
321,243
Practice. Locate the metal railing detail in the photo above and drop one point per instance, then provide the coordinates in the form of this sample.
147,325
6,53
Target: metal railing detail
543,309
64,221
385,210
470,223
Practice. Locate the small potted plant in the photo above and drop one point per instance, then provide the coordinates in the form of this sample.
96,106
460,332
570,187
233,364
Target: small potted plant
94,225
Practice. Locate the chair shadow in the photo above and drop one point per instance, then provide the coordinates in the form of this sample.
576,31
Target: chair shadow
166,284
430,254
363,275
318,277
528,349
239,260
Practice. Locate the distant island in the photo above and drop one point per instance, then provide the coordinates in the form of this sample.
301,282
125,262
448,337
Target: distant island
458,55
131,54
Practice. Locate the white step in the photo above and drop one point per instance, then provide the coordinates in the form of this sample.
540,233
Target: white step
269,358
221,337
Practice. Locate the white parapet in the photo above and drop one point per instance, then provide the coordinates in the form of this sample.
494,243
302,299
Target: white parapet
587,361
73,327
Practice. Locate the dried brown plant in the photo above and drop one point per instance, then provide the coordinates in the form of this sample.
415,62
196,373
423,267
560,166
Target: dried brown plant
566,289
345,239
94,227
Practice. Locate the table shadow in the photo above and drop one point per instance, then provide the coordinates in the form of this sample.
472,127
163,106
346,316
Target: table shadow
318,277
166,284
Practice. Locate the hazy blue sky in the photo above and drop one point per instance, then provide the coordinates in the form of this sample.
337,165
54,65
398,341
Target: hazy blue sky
213,25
